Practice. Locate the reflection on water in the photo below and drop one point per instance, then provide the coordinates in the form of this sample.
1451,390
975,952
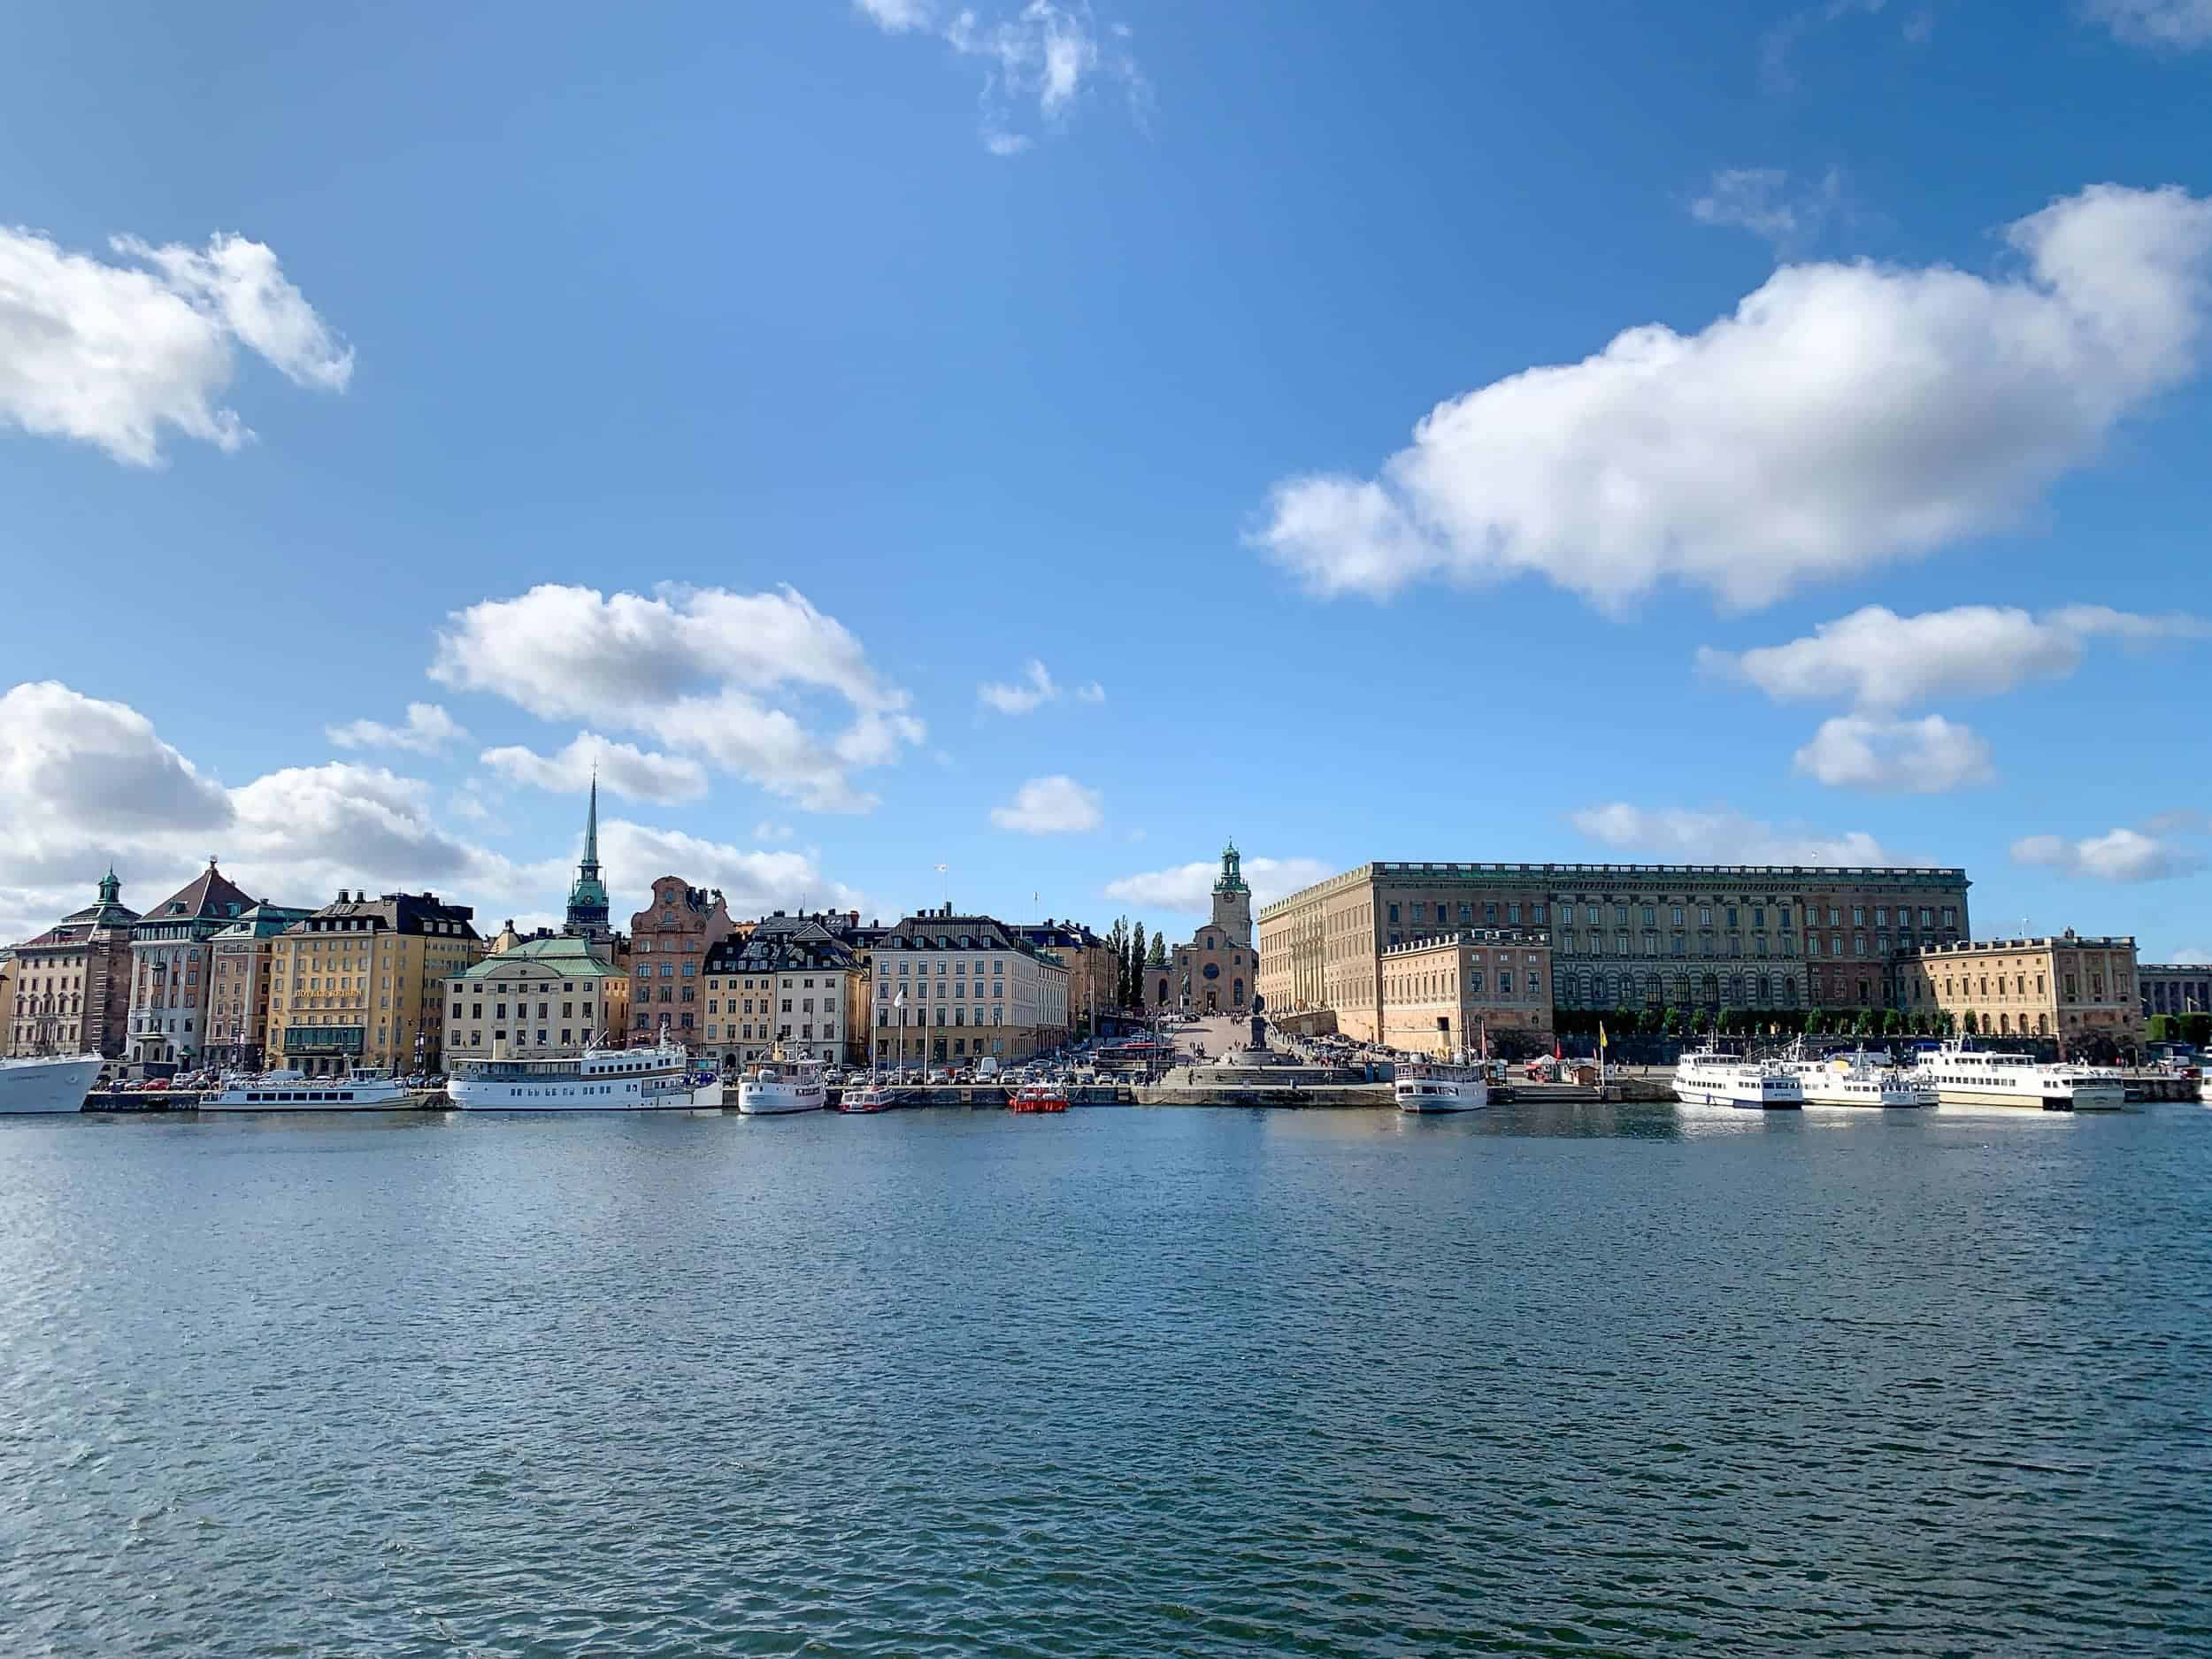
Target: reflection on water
1543,1379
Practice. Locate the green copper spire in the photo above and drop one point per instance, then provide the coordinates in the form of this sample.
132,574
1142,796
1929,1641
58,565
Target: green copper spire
591,828
110,887
588,907
1231,879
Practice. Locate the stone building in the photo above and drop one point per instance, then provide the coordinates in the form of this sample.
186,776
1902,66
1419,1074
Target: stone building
7,1000
238,1001
792,984
172,968
2078,989
361,982
1092,980
1473,991
543,998
72,983
1704,936
2175,987
1217,973
669,942
950,989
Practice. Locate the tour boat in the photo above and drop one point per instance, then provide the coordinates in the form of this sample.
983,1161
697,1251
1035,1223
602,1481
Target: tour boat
1982,1077
1038,1097
1707,1077
657,1079
778,1086
871,1096
368,1091
1441,1086
1857,1079
53,1083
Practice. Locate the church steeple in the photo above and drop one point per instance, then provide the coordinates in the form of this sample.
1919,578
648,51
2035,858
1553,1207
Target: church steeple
587,907
1232,900
111,887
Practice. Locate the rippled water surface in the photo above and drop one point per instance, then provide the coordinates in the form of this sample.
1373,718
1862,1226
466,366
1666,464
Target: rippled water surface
1554,1380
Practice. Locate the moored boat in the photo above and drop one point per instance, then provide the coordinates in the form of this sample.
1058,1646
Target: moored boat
1044,1096
1961,1075
657,1079
775,1087
1441,1085
871,1096
48,1083
1708,1077
365,1091
1859,1079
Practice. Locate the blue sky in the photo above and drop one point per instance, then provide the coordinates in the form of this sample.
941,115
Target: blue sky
750,389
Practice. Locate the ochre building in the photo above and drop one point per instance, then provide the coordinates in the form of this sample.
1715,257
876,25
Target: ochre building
550,997
1217,972
361,983
1465,993
72,983
2075,989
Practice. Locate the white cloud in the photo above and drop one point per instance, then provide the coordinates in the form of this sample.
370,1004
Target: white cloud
1033,691
1040,54
1724,836
2189,957
76,771
2119,855
622,768
1092,693
686,666
754,882
111,354
1877,659
1050,806
1762,201
2176,23
1925,757
769,830
1776,74
1190,887
1843,417
429,728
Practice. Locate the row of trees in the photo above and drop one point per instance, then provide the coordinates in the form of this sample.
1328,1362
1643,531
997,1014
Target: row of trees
1761,1022
1133,956
2193,1029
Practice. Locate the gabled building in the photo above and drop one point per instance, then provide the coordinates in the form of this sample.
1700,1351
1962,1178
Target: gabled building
72,983
793,985
949,989
542,998
669,941
238,1002
172,968
1217,973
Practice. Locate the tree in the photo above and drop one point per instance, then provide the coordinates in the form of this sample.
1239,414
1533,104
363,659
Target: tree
1672,1026
1648,1022
1156,957
1892,1023
1968,1024
1136,967
2196,1029
2162,1028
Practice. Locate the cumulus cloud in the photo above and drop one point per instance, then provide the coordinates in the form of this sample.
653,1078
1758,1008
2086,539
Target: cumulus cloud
2190,956
754,882
429,728
75,770
623,768
1037,58
1878,660
1924,756
1724,836
2119,855
1841,418
689,667
112,354
2180,24
1190,887
1051,806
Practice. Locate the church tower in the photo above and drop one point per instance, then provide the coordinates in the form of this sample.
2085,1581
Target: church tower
1232,900
587,899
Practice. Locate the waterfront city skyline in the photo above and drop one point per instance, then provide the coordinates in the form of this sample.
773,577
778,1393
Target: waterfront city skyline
878,443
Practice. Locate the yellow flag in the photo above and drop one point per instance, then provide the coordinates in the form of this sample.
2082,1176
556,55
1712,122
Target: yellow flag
1600,1034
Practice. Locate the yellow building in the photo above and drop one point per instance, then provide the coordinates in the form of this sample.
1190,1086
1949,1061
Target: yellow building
239,987
2079,990
1460,992
539,999
361,983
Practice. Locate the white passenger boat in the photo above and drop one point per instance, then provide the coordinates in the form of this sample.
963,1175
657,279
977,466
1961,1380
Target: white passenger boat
1859,1079
1441,1085
54,1083
871,1096
657,1079
1977,1077
1707,1077
779,1085
370,1091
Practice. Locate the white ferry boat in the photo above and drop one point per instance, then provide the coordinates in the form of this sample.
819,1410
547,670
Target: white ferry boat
1441,1085
369,1091
774,1086
657,1079
871,1096
56,1083
1707,1077
1974,1077
1857,1079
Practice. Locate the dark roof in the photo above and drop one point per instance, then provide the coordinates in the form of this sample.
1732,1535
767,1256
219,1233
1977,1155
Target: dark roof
208,897
1060,935
393,912
783,951
939,932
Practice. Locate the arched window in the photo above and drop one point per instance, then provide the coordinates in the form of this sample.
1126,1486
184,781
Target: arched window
1789,993
1735,990
1710,988
1766,991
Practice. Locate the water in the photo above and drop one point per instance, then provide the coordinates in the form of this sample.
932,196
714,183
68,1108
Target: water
1554,1380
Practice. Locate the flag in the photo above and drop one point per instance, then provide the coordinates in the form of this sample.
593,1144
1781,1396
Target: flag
1601,1036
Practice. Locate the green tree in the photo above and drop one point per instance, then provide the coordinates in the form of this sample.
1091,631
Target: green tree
1157,956
1893,1022
1673,1025
1735,1021
1136,967
1969,1026
1650,1021
2196,1029
2162,1028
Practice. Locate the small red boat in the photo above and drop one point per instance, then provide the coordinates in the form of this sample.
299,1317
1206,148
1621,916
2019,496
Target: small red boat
1038,1097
